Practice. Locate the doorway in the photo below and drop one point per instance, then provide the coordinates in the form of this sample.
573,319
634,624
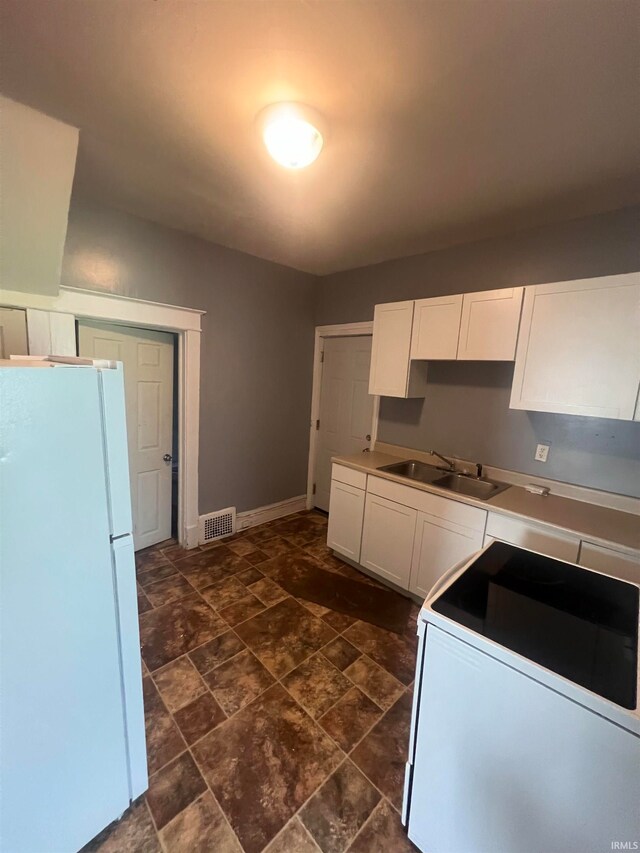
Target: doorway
148,357
346,409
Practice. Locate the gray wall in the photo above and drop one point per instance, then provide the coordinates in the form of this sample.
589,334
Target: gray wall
466,410
257,345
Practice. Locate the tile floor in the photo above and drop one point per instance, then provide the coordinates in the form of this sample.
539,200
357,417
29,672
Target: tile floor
273,724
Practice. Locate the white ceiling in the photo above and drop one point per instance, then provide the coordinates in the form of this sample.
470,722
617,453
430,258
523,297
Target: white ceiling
449,120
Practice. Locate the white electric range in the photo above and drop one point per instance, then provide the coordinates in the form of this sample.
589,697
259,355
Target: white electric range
526,727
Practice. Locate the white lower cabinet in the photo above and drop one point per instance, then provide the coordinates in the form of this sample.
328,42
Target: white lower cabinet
610,562
387,539
346,511
439,545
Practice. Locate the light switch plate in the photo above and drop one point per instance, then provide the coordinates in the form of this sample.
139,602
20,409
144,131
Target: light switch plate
542,451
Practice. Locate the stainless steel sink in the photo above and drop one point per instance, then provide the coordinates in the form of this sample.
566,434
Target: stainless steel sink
414,470
470,486
463,484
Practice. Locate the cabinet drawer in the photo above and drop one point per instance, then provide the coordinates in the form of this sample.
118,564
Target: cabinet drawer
451,510
347,475
540,539
610,562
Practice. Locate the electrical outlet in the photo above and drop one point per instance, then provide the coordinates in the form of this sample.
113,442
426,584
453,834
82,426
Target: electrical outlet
542,451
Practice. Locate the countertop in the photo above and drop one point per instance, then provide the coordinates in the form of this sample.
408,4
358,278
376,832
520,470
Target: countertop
600,525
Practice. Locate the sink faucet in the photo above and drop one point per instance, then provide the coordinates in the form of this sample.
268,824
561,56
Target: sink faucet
448,462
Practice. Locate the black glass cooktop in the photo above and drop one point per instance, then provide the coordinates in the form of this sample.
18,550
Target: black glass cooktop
577,623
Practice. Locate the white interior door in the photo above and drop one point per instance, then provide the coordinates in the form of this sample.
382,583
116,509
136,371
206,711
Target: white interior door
346,407
13,332
147,357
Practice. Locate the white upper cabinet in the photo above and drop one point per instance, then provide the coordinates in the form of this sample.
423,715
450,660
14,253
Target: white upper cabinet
579,348
489,325
51,332
391,374
436,325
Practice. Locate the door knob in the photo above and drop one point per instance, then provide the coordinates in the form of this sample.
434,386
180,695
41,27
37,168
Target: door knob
167,457
368,437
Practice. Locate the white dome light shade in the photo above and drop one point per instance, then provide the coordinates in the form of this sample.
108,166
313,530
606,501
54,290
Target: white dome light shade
289,136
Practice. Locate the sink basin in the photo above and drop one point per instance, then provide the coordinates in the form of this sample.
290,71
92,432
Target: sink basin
470,486
463,484
414,470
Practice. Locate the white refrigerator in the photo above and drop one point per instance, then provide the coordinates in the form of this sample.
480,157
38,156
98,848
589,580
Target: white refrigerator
71,713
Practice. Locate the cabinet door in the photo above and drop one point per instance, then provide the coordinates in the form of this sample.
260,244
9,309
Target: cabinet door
51,332
346,509
610,562
579,349
439,546
392,374
489,325
387,539
436,324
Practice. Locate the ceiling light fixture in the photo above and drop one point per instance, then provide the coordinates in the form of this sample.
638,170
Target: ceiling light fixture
291,134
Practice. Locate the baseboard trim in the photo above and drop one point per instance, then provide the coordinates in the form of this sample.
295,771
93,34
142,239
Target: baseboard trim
192,533
253,517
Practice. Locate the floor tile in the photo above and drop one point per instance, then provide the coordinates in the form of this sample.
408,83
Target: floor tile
216,651
316,685
242,610
389,650
173,788
211,566
259,535
200,828
245,548
169,589
383,753
341,653
339,621
205,559
173,629
264,763
350,718
175,551
318,610
158,573
319,549
143,602
179,683
383,833
284,635
340,808
134,831
375,681
250,576
267,591
199,717
224,592
277,546
238,681
164,741
300,530
294,838
149,558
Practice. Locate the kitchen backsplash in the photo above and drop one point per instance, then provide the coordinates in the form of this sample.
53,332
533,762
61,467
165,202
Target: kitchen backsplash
466,413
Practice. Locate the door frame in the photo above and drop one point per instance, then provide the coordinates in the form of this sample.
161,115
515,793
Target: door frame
343,330
183,322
